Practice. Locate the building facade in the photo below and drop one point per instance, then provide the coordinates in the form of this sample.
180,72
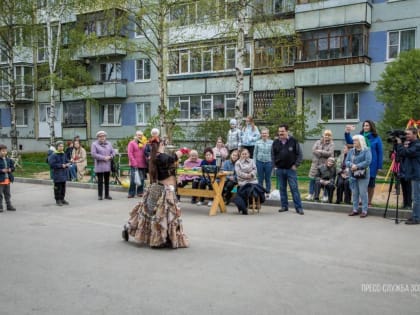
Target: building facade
343,47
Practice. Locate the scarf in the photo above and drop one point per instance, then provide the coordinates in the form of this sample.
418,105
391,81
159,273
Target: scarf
366,135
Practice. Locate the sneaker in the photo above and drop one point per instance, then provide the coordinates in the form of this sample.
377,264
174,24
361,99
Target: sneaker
10,208
300,211
324,199
210,203
309,197
64,202
267,196
412,222
59,203
283,209
108,197
199,203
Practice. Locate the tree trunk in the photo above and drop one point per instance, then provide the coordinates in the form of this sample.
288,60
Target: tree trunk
239,106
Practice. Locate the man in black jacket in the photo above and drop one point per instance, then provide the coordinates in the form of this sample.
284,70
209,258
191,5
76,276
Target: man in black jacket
287,156
410,153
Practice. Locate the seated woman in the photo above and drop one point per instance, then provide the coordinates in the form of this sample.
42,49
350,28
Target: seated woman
231,180
246,174
343,178
192,161
325,179
203,182
156,219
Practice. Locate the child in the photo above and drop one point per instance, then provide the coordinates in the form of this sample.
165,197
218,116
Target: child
7,168
59,164
204,182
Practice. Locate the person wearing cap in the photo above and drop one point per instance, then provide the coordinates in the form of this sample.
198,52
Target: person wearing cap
321,151
138,163
102,154
325,179
7,167
59,164
234,137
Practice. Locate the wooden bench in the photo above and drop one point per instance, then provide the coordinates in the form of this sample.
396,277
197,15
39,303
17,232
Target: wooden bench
215,194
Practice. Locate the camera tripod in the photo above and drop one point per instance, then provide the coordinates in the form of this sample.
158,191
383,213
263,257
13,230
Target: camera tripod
394,178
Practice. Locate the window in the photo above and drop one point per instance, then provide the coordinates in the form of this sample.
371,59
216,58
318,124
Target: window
74,113
399,41
42,45
340,106
21,117
142,69
273,53
283,6
4,85
341,42
110,71
205,59
143,113
23,77
111,114
207,106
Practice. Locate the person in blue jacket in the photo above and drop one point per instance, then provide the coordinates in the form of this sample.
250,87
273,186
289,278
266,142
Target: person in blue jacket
374,142
59,165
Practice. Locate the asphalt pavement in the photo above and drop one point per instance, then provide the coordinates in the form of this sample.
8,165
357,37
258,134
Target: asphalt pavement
72,260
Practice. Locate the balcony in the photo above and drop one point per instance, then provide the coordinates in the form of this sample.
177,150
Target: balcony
24,93
100,90
323,14
350,70
117,49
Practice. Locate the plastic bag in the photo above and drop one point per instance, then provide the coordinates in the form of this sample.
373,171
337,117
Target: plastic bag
137,179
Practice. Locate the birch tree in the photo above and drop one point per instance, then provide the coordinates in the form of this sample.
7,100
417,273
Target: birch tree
13,39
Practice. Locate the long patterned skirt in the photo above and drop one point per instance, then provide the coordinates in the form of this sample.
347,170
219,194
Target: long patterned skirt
156,219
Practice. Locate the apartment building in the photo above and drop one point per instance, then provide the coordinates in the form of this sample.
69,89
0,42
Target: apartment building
344,47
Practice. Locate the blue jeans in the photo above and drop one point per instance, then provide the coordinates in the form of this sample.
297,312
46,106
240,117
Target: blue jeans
415,191
359,188
311,186
73,172
132,189
264,173
284,176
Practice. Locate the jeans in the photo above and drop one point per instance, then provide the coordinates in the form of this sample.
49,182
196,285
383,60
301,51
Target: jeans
264,173
359,188
73,172
284,176
132,190
311,186
415,187
5,191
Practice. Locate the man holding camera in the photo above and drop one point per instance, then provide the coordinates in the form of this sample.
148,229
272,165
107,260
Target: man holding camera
410,154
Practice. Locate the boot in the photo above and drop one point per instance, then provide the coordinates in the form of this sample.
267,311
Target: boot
59,203
10,207
371,191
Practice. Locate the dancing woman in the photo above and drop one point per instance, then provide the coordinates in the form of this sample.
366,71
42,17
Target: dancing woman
156,219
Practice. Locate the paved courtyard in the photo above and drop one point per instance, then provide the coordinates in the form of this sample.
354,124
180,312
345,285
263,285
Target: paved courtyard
72,260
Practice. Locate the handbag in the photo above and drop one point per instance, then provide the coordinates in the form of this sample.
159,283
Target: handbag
360,173
113,166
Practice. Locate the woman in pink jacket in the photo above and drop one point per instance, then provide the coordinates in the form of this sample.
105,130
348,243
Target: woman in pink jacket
138,164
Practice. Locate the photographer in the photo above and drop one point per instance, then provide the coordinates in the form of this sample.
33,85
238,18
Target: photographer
410,154
398,169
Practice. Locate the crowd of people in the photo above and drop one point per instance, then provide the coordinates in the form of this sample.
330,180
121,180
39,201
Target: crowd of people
249,158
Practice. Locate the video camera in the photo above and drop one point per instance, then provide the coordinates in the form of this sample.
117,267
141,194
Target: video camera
394,134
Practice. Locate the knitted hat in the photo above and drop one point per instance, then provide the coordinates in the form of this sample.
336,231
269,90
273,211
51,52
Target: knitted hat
101,133
233,121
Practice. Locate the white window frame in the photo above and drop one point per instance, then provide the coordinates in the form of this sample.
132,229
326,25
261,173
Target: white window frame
142,79
388,58
345,119
23,114
146,109
116,115
115,75
42,49
23,85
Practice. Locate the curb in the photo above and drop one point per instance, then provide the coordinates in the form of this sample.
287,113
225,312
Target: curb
328,207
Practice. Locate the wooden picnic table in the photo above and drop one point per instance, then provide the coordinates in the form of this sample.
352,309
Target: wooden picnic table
216,193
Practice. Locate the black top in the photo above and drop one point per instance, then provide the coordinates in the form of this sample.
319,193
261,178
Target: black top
286,155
